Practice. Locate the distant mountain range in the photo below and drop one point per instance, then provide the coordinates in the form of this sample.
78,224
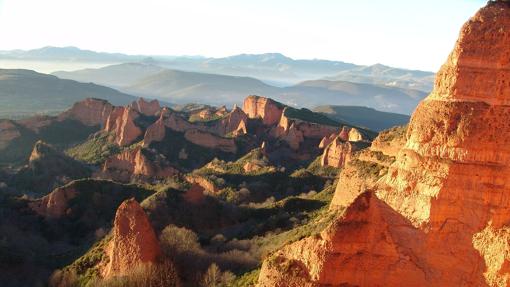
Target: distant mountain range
363,116
25,93
273,68
149,80
182,80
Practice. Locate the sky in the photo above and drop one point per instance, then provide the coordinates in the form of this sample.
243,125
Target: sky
401,33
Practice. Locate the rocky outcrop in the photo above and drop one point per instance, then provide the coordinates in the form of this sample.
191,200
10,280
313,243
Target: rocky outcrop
445,202
203,182
167,119
339,152
231,123
134,164
294,131
146,108
90,112
371,245
48,169
55,204
134,242
210,140
266,109
121,122
194,195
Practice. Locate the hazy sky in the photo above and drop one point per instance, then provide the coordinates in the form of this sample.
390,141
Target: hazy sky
402,33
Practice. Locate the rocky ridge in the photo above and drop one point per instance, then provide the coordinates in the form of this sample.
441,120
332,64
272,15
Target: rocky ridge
439,216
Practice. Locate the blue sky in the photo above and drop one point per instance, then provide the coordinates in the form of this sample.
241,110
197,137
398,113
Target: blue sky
409,34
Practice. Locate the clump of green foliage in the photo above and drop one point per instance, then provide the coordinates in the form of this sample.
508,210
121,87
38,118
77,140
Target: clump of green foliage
309,116
394,133
368,169
95,150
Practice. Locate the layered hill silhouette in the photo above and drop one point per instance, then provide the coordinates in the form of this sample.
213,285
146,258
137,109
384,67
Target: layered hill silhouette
25,93
363,116
149,80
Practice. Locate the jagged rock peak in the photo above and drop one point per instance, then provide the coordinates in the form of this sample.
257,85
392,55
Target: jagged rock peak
134,240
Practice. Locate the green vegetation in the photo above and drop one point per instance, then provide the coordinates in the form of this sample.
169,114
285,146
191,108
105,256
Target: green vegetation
363,117
316,168
395,133
367,169
196,118
309,116
95,150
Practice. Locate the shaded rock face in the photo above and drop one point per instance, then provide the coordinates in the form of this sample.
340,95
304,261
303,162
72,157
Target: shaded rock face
259,107
209,140
121,122
55,204
47,169
134,241
132,164
144,107
91,112
447,196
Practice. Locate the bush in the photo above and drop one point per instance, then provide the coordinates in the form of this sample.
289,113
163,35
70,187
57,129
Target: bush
175,239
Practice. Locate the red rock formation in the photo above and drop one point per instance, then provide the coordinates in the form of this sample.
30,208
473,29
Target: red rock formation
155,132
121,122
294,131
55,204
146,108
195,194
90,112
371,245
134,242
205,183
338,153
233,122
445,202
134,164
210,140
259,107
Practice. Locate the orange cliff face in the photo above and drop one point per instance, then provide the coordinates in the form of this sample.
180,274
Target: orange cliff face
121,122
146,108
446,198
90,112
294,131
267,109
133,163
134,241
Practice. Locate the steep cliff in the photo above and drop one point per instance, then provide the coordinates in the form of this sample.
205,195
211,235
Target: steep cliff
144,107
443,208
266,109
134,241
136,163
121,122
91,112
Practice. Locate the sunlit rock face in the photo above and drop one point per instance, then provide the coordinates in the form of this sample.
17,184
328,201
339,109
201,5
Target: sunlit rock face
448,190
148,108
91,112
134,164
134,241
121,122
266,109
